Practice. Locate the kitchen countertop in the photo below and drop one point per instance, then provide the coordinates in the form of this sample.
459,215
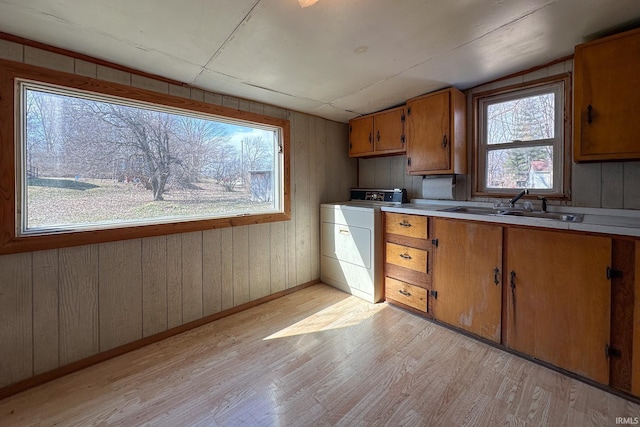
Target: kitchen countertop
621,222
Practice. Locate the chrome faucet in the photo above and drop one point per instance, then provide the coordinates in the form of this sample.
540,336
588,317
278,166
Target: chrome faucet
517,197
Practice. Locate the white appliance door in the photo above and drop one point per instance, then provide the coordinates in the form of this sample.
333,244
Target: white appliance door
347,243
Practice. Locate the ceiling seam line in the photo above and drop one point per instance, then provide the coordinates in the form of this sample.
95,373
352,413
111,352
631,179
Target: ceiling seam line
229,37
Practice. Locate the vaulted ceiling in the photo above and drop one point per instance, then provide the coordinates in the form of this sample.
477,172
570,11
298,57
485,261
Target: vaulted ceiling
336,58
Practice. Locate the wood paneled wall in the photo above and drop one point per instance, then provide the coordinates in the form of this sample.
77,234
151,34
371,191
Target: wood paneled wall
62,305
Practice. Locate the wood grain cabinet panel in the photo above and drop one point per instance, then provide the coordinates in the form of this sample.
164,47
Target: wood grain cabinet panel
378,134
436,129
407,225
408,261
361,136
606,75
467,276
407,257
635,370
388,135
559,299
406,293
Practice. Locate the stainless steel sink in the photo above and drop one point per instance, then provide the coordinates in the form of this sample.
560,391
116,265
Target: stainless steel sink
473,210
555,216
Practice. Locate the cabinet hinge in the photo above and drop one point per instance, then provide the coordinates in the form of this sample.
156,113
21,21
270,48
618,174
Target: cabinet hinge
409,161
409,111
612,352
434,294
350,146
613,274
402,139
350,128
434,242
402,118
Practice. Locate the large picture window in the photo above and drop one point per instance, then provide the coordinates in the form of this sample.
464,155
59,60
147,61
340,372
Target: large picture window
119,162
521,136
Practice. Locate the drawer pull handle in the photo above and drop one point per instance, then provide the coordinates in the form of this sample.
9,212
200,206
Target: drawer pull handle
405,256
404,224
343,231
405,293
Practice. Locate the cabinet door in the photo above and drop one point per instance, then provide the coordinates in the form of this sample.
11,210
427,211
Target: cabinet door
389,131
361,136
635,368
428,131
606,74
559,299
467,276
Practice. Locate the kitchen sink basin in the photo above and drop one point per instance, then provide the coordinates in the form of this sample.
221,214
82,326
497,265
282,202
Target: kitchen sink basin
555,216
473,210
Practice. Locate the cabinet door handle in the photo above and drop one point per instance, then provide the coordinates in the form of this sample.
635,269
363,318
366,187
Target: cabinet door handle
589,114
343,231
370,138
378,136
513,281
405,256
405,293
496,273
444,141
404,224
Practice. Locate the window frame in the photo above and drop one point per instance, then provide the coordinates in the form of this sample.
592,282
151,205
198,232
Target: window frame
11,241
562,152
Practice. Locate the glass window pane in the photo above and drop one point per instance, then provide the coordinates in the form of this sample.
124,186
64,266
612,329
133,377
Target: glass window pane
95,163
523,119
530,167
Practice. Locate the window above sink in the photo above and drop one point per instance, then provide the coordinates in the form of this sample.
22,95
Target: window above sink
521,138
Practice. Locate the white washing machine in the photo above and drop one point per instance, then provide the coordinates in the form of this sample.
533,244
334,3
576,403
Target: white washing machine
351,242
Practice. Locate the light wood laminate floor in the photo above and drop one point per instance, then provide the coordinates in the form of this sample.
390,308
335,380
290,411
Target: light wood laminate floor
317,357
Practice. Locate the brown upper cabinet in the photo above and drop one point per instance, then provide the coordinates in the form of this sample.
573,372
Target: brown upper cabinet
606,78
378,134
436,129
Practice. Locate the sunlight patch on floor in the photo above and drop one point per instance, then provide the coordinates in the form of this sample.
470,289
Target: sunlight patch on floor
346,313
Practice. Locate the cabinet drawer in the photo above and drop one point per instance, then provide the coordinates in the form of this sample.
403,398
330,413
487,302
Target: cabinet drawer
405,293
407,257
406,225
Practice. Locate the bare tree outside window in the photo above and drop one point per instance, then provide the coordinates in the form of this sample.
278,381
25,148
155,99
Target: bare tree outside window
93,161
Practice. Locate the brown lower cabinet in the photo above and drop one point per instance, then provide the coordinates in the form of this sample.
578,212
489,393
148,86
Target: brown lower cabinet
558,301
565,298
635,379
408,261
467,276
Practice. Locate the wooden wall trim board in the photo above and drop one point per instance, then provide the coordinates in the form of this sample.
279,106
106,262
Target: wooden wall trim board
49,48
139,343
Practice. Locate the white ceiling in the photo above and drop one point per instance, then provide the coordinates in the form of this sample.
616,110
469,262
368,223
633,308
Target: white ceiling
336,59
